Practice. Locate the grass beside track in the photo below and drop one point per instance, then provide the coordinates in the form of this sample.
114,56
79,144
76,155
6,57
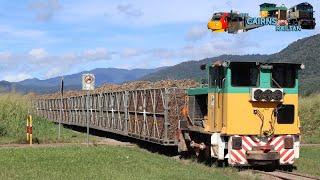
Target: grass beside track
111,162
13,111
102,162
310,118
309,161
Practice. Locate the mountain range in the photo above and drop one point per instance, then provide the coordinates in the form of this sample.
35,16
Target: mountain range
73,81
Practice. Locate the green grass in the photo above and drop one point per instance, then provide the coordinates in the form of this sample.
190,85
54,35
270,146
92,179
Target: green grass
309,161
101,162
13,111
310,118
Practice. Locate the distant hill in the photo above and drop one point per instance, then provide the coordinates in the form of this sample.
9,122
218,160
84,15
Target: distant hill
191,69
304,51
73,81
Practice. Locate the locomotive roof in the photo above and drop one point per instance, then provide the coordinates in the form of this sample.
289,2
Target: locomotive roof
271,4
273,8
261,62
219,13
268,63
303,4
228,63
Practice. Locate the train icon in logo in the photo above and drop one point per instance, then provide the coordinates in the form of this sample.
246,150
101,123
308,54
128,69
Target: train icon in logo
296,18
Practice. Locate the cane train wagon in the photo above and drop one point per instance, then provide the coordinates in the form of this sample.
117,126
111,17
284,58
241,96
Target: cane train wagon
245,114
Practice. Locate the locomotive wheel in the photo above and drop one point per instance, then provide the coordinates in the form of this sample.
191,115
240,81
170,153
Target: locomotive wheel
288,168
216,162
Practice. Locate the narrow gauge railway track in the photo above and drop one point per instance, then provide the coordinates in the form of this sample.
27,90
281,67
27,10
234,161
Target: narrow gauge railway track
286,175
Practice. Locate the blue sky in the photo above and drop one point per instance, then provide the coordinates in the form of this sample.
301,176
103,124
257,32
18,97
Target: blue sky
48,38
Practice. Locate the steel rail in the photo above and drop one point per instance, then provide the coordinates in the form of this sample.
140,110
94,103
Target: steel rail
286,175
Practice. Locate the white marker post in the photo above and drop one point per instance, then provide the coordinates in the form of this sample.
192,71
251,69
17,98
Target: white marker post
87,85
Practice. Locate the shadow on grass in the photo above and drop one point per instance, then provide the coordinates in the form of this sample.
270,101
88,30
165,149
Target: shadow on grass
151,147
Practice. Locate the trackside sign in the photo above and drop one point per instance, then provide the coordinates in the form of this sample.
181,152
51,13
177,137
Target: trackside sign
88,82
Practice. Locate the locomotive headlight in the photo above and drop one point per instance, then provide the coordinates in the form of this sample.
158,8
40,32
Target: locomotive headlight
267,95
288,142
258,94
277,95
236,143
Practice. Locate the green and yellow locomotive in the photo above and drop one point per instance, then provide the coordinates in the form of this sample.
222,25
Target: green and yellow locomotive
246,114
272,10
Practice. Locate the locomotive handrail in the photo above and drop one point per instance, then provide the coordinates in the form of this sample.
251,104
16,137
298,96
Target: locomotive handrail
214,106
222,85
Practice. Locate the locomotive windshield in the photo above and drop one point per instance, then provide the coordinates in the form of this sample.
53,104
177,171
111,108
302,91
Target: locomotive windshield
283,76
244,74
305,8
216,18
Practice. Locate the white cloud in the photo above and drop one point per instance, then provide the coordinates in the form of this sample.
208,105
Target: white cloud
38,53
163,53
45,9
5,57
96,54
21,33
55,71
167,62
228,44
40,61
129,10
17,77
196,33
131,52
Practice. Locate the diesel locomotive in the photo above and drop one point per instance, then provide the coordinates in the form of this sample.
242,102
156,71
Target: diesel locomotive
303,15
244,114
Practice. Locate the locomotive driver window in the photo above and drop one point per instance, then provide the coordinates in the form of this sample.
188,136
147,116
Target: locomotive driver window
283,76
244,74
217,74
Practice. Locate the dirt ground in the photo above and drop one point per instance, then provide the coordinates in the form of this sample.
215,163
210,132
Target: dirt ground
103,141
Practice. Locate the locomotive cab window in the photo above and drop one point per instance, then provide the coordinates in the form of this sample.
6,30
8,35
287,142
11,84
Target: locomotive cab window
245,74
216,18
283,76
216,76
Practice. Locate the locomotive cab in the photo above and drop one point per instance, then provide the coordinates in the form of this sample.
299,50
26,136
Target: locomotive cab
218,22
271,10
247,114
